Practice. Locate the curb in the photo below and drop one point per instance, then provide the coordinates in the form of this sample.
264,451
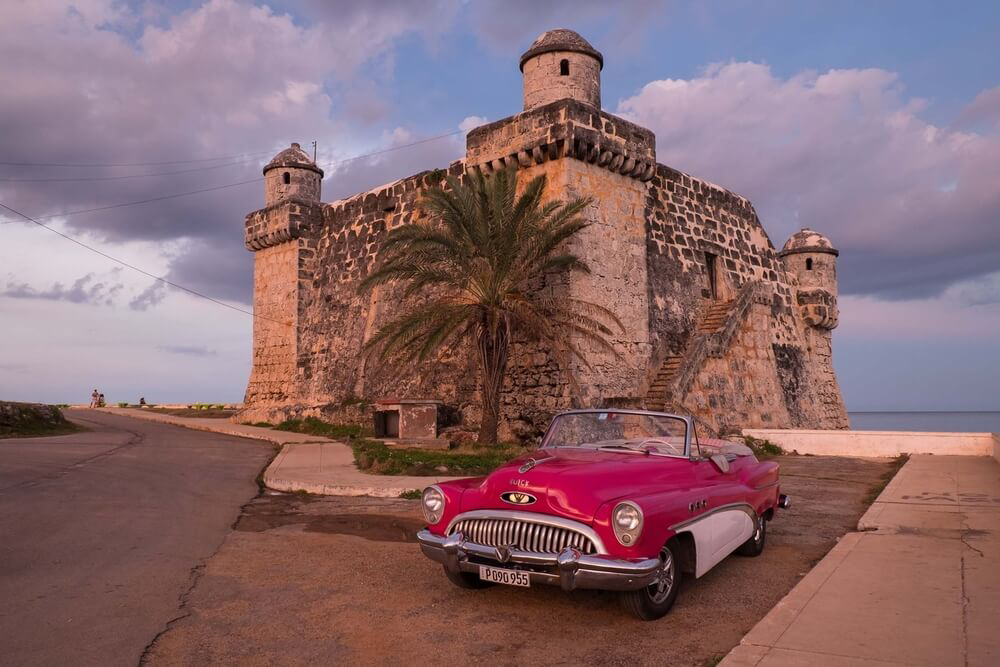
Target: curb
268,477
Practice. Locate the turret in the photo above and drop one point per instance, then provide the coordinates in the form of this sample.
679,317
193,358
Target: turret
292,174
812,259
561,64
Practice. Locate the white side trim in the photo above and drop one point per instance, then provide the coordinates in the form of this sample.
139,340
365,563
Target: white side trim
717,535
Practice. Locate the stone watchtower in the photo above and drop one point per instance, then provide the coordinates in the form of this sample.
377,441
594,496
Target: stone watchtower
559,65
292,175
278,235
811,259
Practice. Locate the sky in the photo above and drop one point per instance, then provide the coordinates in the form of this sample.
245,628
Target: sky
876,123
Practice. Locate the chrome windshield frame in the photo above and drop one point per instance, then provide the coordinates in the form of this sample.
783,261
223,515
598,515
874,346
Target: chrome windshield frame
688,427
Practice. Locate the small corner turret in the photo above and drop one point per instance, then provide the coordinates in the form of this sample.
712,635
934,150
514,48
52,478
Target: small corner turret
561,64
812,259
292,174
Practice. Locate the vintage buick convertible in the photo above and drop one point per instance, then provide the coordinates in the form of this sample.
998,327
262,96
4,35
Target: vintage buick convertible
622,500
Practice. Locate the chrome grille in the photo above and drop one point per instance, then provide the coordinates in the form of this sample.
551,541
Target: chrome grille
523,535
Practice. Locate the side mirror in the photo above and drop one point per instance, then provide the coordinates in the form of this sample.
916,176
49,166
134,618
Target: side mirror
721,462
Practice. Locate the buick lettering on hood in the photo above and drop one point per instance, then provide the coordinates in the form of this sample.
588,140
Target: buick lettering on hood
621,500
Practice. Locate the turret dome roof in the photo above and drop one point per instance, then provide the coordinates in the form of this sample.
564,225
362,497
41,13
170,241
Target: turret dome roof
807,240
560,40
293,156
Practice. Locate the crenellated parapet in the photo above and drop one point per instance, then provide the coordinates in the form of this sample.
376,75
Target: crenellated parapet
563,129
279,223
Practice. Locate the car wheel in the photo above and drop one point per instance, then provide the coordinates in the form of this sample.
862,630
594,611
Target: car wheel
754,546
466,579
655,600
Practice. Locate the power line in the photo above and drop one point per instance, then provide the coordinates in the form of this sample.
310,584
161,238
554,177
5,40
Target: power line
142,271
182,194
129,164
124,176
66,214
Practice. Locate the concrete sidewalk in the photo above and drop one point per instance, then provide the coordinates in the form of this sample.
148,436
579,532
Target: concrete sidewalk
919,586
305,463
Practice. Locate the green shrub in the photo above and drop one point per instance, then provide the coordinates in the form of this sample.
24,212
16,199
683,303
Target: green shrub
412,494
373,456
763,449
314,426
123,404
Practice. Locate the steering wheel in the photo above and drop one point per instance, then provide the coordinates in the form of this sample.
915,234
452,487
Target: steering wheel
657,442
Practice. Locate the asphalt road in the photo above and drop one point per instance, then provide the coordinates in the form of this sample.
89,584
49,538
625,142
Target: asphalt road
103,534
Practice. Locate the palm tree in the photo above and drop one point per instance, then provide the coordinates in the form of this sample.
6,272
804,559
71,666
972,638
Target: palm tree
473,261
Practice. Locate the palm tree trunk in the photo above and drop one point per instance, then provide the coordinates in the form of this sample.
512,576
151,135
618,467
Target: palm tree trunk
493,350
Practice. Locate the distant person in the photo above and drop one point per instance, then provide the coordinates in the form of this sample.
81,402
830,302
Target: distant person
93,398
100,401
142,401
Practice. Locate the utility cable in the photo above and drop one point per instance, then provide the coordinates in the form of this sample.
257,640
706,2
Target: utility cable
129,164
142,271
66,214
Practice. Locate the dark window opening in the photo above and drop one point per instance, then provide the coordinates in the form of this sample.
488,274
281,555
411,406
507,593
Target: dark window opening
710,268
286,178
563,67
390,208
809,264
387,424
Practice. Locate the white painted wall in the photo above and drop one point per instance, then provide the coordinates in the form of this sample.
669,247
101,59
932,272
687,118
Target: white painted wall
880,443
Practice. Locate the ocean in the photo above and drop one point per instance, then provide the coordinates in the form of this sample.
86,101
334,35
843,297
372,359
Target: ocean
925,421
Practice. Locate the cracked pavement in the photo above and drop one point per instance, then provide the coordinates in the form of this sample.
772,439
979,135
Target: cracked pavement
103,533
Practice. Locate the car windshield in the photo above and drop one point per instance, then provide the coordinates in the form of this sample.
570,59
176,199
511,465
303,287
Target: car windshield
656,434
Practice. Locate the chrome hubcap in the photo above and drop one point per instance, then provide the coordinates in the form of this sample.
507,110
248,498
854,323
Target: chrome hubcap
660,589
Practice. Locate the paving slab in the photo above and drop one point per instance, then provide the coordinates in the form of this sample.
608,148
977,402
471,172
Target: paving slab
919,586
305,463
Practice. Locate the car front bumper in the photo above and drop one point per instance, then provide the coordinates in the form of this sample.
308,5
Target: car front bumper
569,569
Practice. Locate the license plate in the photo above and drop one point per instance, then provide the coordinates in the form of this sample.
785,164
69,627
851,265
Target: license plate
498,575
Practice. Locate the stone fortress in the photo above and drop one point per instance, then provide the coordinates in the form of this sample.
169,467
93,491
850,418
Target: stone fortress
718,324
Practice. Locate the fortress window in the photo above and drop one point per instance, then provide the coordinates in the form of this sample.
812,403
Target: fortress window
713,280
809,264
286,178
563,67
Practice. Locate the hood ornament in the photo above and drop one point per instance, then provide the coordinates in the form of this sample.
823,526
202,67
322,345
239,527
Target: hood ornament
531,463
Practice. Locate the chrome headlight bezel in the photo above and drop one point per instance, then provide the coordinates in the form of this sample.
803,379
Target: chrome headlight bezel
431,514
627,532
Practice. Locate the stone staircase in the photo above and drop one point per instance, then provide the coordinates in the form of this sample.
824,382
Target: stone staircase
714,318
658,397
659,391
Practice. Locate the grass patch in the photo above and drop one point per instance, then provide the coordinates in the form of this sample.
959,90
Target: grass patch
763,449
412,494
261,424
876,491
376,458
314,426
28,420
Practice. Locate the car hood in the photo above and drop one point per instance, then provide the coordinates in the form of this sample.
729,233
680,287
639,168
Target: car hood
574,483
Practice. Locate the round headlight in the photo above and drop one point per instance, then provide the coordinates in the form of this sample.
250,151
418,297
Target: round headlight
432,503
626,519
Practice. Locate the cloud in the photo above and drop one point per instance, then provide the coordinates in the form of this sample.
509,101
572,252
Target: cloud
83,290
913,207
149,297
112,83
188,350
499,23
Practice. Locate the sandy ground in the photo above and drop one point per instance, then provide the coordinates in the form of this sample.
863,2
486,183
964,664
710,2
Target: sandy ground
309,580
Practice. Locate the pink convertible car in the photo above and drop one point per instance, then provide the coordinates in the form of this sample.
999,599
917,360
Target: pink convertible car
622,500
